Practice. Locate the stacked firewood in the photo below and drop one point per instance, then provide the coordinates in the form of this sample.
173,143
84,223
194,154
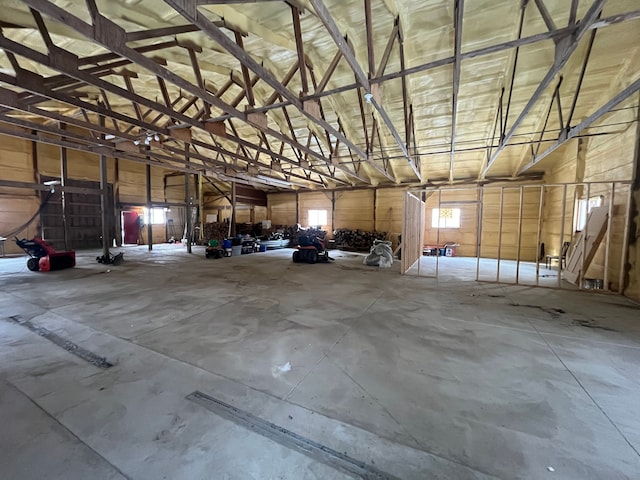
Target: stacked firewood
216,231
356,239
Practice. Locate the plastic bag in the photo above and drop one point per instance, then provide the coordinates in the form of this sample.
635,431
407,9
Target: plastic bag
380,255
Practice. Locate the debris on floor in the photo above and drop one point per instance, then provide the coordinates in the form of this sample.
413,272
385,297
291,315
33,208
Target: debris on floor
278,370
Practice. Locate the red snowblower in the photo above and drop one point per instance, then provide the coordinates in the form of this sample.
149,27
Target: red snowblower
43,256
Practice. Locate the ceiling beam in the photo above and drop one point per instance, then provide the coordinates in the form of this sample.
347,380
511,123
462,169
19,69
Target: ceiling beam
564,50
575,131
159,32
546,16
297,30
369,28
499,47
188,9
110,35
331,26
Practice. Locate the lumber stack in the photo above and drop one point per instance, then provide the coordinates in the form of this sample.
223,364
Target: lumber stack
359,240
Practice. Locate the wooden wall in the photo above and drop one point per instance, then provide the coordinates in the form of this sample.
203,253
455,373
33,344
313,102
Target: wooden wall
353,209
17,161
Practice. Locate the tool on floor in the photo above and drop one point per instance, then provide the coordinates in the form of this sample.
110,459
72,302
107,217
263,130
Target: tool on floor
311,249
43,257
111,259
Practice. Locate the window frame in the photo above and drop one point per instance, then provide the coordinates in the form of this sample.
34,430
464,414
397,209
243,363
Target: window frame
152,216
454,223
320,213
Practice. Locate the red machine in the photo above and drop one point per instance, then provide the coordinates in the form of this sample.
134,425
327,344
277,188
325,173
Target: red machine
44,257
311,249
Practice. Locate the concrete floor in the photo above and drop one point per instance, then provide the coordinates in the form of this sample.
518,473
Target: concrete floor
466,269
423,379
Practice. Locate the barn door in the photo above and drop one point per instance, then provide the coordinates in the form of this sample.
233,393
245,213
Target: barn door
130,227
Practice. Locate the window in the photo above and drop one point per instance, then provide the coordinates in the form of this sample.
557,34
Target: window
317,218
157,216
583,208
445,218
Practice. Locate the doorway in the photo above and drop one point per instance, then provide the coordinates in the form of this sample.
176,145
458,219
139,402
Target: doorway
130,227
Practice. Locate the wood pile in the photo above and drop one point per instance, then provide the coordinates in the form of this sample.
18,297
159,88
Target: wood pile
356,239
216,231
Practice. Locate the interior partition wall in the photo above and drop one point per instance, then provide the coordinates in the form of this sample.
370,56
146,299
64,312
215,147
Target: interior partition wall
566,235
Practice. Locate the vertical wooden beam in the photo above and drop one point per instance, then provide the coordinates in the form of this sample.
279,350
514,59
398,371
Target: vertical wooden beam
149,205
584,241
564,212
117,215
64,176
104,206
187,200
245,72
297,207
34,161
539,234
369,28
500,232
201,205
333,210
520,211
232,220
607,243
479,204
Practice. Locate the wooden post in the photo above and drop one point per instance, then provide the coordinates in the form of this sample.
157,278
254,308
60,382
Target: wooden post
500,232
564,212
201,206
519,235
187,201
149,205
539,234
104,207
607,245
438,232
117,216
479,196
375,208
64,175
232,226
297,207
585,239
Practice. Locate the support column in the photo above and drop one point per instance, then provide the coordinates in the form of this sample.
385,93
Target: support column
149,205
201,206
375,207
187,201
64,175
104,197
117,216
333,211
297,207
233,209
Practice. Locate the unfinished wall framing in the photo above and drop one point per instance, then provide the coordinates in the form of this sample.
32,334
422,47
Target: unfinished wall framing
515,234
